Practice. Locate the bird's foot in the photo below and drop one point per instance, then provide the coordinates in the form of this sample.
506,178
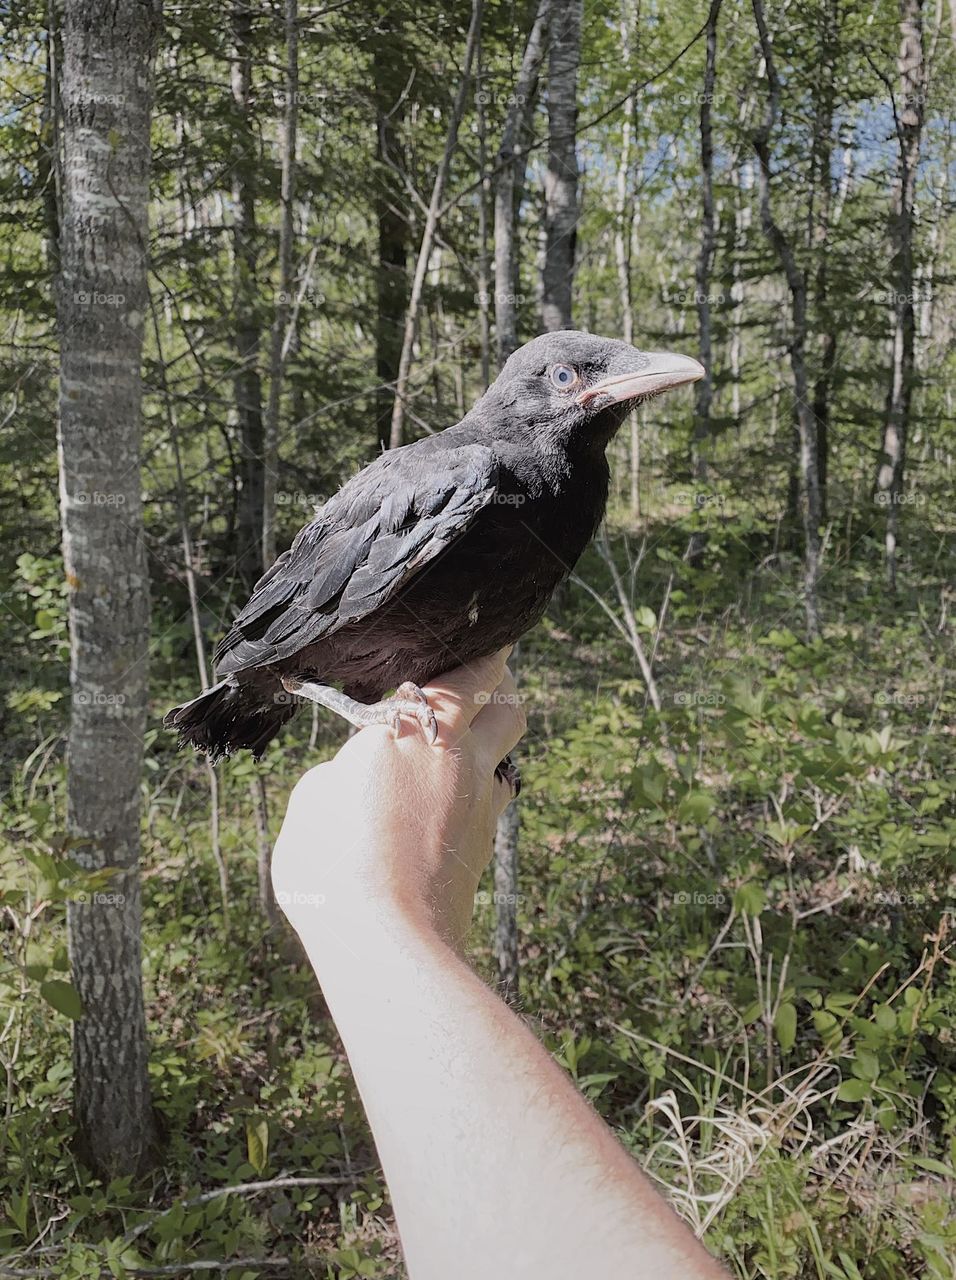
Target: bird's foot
408,700
508,772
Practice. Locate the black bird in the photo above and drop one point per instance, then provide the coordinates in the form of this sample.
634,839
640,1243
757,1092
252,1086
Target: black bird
436,554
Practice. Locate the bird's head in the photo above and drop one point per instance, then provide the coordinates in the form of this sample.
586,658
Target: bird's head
577,388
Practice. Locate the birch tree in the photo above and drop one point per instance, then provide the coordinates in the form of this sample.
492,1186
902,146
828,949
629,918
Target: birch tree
908,114
102,299
704,389
247,380
281,327
808,480
390,83
396,434
510,169
561,179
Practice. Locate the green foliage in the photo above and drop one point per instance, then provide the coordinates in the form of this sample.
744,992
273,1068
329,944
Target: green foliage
737,910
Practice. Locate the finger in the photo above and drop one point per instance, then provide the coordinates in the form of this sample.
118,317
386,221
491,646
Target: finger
501,723
458,696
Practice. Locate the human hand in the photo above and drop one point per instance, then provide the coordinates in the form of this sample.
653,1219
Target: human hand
400,826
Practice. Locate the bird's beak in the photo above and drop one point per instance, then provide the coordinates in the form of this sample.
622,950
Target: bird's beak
658,371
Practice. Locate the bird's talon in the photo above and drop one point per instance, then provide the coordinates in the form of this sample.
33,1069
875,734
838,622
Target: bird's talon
414,702
430,724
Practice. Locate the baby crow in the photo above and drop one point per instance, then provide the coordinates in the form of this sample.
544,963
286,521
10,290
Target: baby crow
436,554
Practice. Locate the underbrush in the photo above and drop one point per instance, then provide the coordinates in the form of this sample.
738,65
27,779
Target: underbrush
737,920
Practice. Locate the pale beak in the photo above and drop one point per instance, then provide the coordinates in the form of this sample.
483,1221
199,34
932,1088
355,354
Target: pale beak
658,371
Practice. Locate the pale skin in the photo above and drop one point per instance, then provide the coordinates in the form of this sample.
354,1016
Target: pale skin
496,1165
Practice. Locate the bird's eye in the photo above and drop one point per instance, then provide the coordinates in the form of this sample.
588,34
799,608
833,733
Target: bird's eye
563,376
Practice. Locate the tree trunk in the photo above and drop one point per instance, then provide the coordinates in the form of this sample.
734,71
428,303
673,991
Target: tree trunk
510,156
391,278
561,179
704,390
281,329
821,183
909,116
506,900
102,298
484,191
397,430
248,335
624,230
742,180
797,285
48,174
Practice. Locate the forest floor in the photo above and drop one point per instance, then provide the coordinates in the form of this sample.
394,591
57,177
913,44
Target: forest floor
737,920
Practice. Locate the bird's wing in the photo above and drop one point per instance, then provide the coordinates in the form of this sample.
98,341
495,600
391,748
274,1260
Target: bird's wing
378,531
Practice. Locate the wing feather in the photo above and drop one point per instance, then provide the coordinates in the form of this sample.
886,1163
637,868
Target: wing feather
364,545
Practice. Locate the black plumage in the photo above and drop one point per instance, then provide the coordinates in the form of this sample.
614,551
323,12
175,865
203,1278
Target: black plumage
437,553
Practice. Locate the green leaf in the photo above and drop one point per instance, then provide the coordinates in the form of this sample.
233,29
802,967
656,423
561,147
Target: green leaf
853,1090
63,996
866,1065
696,807
852,1270
18,1208
257,1142
934,1166
885,1018
750,899
828,1027
752,1012
887,1116
785,1026
646,618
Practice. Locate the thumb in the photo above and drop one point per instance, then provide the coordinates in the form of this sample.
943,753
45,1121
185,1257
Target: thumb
458,696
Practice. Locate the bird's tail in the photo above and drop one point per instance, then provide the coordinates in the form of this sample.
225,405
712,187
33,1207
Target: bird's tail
229,717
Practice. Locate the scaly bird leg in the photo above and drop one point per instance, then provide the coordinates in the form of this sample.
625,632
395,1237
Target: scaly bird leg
408,700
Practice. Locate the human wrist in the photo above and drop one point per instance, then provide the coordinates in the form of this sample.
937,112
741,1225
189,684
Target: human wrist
356,934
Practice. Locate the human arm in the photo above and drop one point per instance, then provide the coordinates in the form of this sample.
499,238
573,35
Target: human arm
496,1164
